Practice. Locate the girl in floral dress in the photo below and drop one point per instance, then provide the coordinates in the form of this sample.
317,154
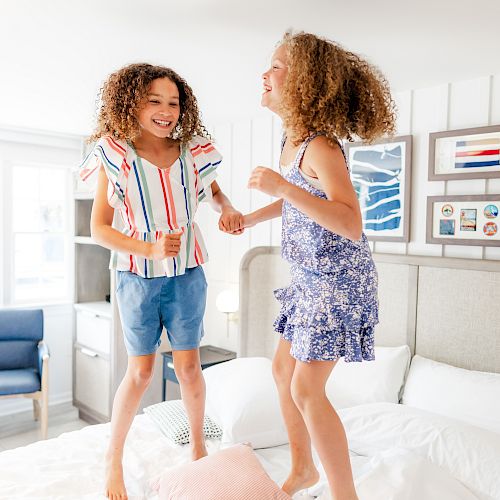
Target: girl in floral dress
323,94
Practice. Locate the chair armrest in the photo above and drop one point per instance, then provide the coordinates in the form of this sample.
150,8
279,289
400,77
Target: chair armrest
43,354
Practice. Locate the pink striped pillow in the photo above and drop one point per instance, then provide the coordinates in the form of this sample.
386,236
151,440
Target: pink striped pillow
231,474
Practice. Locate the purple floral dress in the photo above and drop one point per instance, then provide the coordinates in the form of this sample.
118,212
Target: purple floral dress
330,308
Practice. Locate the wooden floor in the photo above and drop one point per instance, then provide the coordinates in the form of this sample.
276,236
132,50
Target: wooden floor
21,429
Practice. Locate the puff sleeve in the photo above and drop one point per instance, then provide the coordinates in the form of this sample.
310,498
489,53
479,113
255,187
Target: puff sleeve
207,160
111,155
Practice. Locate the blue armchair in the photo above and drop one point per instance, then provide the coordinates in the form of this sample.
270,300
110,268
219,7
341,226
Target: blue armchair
24,360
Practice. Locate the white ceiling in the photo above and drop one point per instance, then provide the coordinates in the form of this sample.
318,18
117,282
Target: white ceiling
54,54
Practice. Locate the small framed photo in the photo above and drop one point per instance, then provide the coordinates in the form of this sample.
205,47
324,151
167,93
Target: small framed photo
381,174
471,153
464,220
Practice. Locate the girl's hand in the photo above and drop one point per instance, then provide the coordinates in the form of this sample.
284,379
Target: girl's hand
267,180
231,221
168,245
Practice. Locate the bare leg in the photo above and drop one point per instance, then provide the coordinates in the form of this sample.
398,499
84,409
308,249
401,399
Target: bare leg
324,425
127,399
188,371
304,472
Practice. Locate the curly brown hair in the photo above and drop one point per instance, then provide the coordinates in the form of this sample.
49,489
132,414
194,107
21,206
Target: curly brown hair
123,94
334,92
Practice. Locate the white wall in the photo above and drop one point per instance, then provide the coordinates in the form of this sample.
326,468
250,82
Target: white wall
249,143
55,54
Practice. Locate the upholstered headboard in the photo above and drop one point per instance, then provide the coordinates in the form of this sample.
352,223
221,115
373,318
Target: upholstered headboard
444,309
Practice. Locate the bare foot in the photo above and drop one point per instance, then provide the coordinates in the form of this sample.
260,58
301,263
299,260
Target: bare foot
115,486
198,451
300,480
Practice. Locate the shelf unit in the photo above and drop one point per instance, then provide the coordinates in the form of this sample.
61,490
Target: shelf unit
99,360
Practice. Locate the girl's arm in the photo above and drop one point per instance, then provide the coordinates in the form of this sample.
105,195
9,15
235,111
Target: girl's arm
231,221
105,235
262,214
340,212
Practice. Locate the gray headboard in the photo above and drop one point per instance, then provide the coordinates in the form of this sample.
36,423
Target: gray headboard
445,309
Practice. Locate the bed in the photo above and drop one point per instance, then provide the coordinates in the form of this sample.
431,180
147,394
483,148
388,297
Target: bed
444,310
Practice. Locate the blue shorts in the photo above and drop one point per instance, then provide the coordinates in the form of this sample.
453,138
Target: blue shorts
148,304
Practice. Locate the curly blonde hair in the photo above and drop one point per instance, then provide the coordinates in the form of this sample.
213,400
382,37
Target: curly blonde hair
334,92
123,94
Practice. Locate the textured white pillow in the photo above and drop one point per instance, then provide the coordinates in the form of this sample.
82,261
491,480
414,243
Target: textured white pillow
379,381
466,395
242,398
171,419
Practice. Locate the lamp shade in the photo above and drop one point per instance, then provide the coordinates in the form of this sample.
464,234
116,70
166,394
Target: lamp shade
227,301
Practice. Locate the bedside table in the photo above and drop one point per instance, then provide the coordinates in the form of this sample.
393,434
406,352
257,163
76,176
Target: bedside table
209,356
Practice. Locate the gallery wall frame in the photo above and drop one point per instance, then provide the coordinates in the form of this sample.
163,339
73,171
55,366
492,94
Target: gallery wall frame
463,220
469,153
381,176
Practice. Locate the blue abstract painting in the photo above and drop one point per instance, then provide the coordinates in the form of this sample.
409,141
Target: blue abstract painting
378,176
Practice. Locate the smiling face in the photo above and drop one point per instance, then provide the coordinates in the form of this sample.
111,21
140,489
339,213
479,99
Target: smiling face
161,110
274,79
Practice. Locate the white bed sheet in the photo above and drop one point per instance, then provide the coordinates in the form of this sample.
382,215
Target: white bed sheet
397,453
72,466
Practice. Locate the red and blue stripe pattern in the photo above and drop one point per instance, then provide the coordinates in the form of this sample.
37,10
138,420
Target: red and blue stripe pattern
479,153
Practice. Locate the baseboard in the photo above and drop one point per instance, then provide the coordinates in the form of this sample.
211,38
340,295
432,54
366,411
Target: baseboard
9,407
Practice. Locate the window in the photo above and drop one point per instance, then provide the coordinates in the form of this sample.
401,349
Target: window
36,216
40,234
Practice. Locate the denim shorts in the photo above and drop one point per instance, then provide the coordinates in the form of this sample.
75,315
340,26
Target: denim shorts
148,304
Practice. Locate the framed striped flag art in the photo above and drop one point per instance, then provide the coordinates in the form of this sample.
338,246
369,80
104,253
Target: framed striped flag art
380,174
472,153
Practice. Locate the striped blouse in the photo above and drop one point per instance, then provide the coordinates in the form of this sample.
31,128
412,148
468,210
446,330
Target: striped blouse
154,201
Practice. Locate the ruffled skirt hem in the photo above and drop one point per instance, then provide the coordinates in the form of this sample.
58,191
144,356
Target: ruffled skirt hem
325,330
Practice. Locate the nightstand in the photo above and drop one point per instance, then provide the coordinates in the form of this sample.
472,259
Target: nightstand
209,356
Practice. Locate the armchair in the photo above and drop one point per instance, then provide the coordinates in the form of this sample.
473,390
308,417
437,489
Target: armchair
24,360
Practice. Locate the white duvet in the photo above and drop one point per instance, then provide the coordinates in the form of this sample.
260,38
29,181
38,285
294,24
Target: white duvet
398,453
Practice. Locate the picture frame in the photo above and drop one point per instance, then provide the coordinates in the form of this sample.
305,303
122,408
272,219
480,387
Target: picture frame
381,176
464,220
469,153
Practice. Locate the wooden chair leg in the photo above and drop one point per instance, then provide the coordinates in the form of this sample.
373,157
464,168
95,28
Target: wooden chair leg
36,409
44,421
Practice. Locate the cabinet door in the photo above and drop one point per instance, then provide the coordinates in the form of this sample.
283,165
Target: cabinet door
92,387
93,331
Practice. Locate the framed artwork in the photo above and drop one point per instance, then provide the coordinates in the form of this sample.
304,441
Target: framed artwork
381,173
471,153
464,219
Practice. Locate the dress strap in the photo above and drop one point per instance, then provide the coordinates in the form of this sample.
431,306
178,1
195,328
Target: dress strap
283,140
302,149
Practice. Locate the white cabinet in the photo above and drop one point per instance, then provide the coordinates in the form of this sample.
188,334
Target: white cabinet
92,392
99,360
93,326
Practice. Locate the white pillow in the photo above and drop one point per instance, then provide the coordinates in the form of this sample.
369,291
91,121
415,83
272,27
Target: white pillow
468,453
466,395
242,398
378,381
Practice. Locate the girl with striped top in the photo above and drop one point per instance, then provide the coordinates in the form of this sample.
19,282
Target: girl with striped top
153,163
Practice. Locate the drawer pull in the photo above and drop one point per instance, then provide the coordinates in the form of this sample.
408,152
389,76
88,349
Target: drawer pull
170,365
88,352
